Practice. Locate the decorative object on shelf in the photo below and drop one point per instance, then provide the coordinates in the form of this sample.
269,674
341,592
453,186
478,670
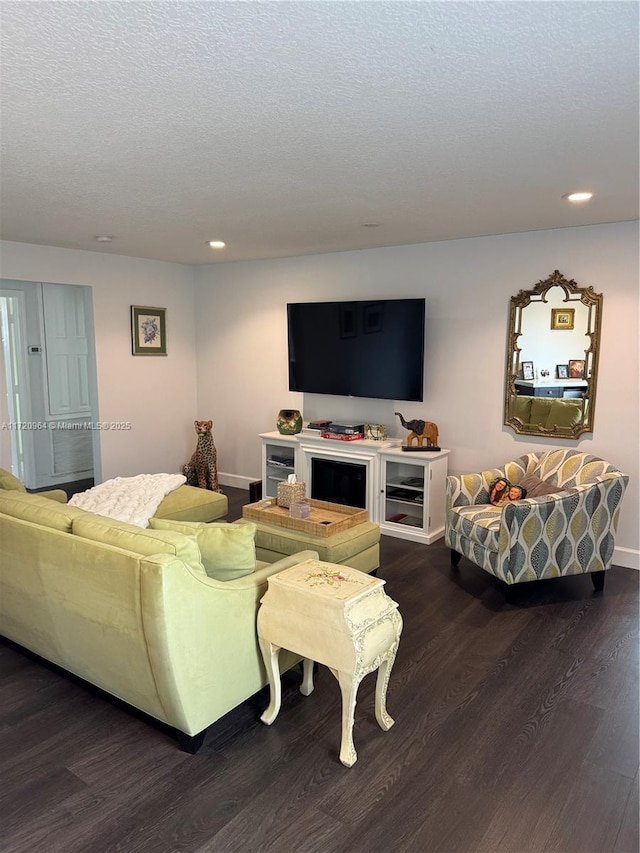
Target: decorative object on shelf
576,368
376,432
544,373
289,422
290,491
562,370
562,318
527,370
202,469
148,330
420,431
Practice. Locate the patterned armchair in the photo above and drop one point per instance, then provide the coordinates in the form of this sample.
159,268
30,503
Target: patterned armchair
567,533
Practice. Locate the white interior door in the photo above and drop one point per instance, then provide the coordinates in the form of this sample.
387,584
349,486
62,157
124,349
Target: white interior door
67,351
50,383
16,444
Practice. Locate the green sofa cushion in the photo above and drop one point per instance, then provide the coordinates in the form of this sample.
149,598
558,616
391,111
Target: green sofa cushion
228,550
522,408
138,540
9,482
565,413
39,510
540,409
550,412
187,503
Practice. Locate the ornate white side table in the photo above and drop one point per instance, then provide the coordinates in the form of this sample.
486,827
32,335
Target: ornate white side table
340,617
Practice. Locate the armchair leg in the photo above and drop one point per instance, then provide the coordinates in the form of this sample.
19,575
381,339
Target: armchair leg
455,557
598,581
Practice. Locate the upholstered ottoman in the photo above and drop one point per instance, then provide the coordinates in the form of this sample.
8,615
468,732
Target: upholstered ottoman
358,546
188,503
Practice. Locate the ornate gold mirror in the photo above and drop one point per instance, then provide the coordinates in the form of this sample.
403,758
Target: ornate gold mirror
552,358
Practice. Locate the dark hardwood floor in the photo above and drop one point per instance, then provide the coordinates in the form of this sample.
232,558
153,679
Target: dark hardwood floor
516,732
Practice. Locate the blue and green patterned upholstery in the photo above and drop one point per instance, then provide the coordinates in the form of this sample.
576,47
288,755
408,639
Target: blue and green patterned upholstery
568,533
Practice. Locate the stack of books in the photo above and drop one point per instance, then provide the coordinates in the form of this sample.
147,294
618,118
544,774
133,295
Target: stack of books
342,436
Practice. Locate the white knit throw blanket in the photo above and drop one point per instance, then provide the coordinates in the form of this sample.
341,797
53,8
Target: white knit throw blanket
132,499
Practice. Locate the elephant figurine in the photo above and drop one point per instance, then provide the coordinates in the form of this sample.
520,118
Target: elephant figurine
420,431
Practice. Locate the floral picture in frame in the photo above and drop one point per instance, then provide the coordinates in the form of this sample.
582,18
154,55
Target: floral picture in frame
576,368
563,318
527,370
148,330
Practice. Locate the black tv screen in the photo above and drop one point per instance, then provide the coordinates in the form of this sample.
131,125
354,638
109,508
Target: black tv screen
358,349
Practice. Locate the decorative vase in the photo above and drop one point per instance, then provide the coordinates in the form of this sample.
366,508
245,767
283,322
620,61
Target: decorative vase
289,421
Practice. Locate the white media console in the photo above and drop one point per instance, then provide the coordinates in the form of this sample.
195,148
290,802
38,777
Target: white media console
403,492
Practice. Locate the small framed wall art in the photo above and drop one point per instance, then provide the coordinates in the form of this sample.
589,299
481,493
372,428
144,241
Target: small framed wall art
148,330
527,370
576,368
562,370
562,318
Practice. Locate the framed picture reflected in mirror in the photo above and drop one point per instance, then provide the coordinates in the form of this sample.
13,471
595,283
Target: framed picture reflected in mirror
576,368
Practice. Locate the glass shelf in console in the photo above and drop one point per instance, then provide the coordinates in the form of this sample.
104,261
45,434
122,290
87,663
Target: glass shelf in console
278,461
404,494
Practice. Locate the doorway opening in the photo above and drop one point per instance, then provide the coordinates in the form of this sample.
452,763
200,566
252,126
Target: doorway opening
48,384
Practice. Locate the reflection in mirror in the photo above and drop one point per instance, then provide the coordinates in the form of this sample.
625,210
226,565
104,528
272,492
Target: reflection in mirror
552,358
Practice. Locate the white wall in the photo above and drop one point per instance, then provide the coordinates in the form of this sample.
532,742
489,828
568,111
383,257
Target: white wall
242,345
547,348
157,395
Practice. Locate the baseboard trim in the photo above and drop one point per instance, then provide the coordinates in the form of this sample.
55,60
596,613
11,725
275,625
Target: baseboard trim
627,558
235,480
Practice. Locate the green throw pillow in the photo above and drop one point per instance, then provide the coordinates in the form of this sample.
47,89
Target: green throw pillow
228,551
9,482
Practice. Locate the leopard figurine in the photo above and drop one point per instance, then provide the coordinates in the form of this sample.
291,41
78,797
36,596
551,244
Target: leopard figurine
202,469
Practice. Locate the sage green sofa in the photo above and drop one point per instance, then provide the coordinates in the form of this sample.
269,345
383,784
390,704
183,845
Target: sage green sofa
186,503
549,413
139,619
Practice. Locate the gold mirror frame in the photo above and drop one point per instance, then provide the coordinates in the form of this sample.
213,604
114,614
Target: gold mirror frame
572,294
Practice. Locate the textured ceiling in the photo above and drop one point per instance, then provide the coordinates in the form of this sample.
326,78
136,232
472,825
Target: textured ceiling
283,127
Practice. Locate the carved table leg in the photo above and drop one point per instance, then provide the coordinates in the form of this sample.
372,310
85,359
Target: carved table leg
349,683
270,655
306,688
382,681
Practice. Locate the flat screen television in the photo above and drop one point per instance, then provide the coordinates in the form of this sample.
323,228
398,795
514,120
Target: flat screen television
358,349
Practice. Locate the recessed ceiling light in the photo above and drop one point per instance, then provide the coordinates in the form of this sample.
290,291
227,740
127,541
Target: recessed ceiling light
579,196
103,238
216,244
